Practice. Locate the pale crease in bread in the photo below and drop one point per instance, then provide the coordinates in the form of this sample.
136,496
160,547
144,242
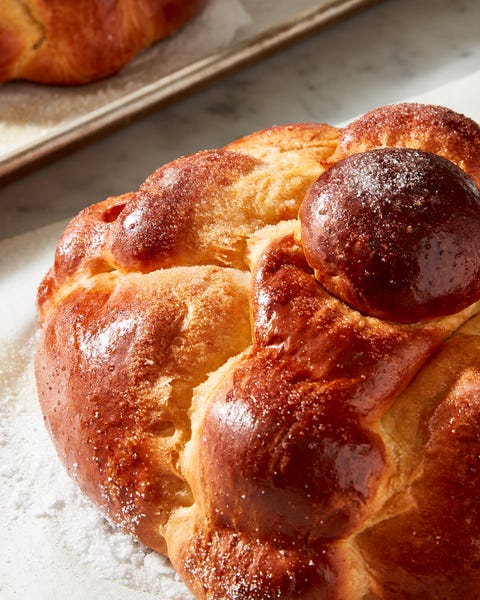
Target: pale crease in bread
213,398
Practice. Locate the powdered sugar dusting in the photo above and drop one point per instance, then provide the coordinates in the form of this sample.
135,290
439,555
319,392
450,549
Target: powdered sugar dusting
54,539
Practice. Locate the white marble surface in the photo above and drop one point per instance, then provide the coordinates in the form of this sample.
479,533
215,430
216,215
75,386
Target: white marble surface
395,50
391,51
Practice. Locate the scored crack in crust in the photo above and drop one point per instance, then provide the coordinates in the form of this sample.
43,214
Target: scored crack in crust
273,433
71,42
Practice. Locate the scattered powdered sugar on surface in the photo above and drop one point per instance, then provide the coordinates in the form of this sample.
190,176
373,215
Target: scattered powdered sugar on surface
52,535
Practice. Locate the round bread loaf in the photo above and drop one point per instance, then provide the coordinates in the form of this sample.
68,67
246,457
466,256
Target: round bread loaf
254,365
67,42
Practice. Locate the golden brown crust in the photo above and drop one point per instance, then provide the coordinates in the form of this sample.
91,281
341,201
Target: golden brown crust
317,140
120,358
76,42
432,545
411,125
168,220
232,412
301,415
181,284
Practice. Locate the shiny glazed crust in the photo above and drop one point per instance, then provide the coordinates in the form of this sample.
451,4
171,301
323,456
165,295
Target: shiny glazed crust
67,42
217,401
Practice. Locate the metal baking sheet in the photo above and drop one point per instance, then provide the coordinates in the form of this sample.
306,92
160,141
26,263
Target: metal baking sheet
39,122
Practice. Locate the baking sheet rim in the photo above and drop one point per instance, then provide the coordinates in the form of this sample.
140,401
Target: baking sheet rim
146,98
